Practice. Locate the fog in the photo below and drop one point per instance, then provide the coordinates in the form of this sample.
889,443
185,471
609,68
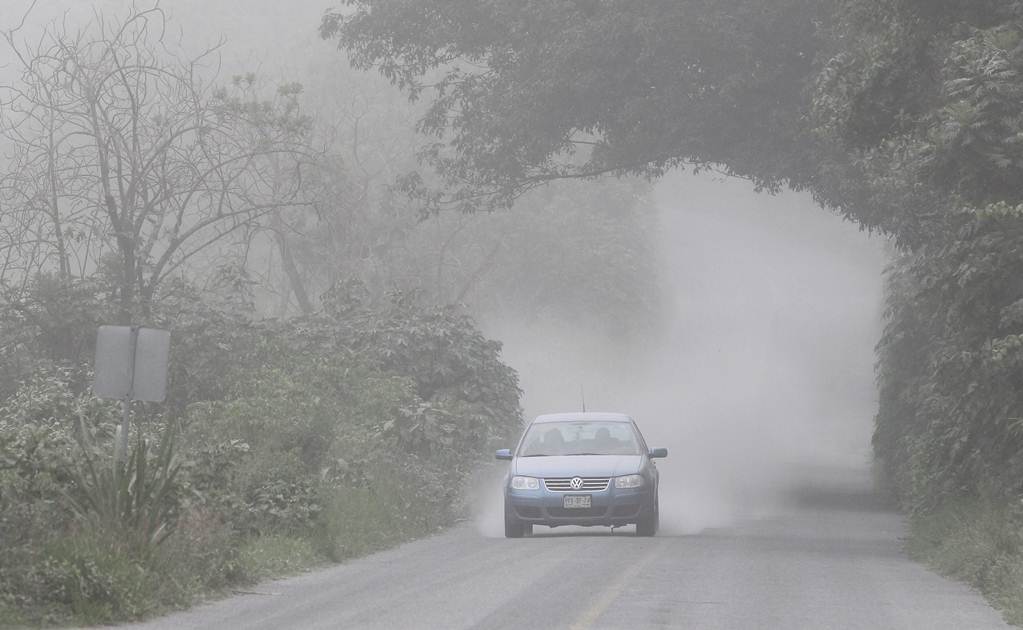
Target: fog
763,370
763,375
380,255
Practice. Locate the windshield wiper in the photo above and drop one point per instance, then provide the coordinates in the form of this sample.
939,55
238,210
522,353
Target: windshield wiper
537,455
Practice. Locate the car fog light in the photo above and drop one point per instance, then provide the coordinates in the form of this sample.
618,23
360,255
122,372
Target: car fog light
629,481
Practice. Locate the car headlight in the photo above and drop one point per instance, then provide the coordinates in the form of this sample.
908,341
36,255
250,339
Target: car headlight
629,481
525,483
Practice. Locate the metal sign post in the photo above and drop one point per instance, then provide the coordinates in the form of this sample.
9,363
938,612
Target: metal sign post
121,448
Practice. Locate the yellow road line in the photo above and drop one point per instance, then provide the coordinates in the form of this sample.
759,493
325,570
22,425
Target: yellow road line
613,591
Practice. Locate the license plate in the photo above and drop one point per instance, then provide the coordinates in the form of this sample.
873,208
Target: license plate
583,501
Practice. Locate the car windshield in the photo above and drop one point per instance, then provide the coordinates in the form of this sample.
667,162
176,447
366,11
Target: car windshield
579,438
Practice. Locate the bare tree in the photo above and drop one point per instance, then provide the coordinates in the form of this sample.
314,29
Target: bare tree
126,159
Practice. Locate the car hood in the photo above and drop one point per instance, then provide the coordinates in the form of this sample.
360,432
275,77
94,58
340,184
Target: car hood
578,465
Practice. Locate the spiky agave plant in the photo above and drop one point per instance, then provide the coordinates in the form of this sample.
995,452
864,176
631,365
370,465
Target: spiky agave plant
134,498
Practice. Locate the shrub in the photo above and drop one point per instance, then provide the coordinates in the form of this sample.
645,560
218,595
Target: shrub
275,555
98,577
137,499
201,556
328,436
979,541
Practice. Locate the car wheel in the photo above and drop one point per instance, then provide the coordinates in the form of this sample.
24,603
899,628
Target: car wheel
647,525
513,527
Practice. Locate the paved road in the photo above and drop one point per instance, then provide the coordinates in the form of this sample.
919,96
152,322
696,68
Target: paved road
830,559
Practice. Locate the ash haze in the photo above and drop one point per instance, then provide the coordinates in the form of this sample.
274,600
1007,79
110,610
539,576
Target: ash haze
763,362
345,356
763,372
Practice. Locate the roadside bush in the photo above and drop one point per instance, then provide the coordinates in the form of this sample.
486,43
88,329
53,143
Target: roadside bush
37,447
324,437
280,502
76,536
202,555
950,365
98,577
357,521
949,433
398,503
49,324
275,555
979,542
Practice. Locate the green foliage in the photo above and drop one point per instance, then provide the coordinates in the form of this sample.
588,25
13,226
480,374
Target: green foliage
93,576
979,542
888,112
273,556
918,106
526,93
326,436
202,555
48,321
74,535
950,364
137,499
37,452
400,499
98,577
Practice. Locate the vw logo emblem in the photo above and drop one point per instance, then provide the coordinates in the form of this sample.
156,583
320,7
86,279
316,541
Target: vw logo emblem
576,483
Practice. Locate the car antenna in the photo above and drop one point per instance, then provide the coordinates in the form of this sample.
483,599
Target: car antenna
582,394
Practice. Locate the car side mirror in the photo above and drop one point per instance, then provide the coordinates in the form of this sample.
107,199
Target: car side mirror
504,453
658,453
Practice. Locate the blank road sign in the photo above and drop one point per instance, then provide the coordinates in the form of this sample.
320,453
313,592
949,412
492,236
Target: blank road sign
113,362
131,363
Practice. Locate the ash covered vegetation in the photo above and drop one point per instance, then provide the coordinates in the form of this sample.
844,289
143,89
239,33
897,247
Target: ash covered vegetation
330,390
323,252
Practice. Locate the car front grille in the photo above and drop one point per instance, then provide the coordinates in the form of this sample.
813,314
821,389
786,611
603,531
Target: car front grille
564,484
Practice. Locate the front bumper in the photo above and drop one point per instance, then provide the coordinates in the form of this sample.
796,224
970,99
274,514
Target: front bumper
610,507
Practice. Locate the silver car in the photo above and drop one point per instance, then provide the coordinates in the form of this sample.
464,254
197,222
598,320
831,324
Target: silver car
581,469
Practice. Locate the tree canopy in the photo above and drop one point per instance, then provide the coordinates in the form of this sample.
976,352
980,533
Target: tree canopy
881,110
523,93
123,158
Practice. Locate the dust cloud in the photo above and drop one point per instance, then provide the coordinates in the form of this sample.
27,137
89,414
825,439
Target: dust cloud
762,376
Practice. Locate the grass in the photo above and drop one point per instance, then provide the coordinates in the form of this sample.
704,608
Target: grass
89,579
92,577
976,541
276,556
10,617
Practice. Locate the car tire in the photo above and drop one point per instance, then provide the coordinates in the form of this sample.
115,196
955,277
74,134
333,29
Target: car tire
514,528
647,525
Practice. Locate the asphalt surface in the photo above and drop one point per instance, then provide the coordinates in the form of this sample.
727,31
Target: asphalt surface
830,558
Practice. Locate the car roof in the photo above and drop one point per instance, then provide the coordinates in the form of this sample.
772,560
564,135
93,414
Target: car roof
599,416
